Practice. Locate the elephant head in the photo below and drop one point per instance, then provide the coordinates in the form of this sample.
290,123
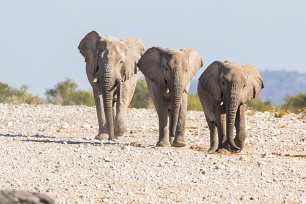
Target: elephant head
231,85
171,70
109,62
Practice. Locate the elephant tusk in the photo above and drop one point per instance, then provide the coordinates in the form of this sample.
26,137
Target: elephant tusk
95,80
221,103
167,90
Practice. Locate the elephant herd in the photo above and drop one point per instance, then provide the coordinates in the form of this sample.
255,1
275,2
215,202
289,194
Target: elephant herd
224,88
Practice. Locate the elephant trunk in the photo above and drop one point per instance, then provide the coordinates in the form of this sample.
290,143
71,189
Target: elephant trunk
176,105
231,112
108,103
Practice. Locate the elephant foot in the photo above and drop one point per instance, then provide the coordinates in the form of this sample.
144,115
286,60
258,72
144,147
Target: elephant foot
224,151
179,143
211,150
102,136
226,146
162,143
239,144
120,130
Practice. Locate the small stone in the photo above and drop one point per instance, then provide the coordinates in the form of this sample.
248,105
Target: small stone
242,158
260,163
220,167
87,126
64,125
10,124
107,159
268,155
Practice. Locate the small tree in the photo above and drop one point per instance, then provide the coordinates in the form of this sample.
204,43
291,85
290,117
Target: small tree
9,94
66,93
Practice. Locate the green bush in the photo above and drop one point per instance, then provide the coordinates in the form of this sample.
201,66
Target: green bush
295,103
12,95
141,97
194,103
66,93
259,105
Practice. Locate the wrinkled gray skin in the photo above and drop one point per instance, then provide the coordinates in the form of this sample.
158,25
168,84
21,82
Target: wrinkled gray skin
168,73
112,72
224,88
24,197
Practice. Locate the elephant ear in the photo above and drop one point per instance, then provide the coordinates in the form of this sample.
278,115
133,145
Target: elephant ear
133,54
254,83
210,80
88,44
89,47
194,63
151,64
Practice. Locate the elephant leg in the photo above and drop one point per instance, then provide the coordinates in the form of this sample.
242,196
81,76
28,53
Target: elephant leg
120,108
161,106
240,128
103,133
179,140
164,139
221,122
162,112
213,135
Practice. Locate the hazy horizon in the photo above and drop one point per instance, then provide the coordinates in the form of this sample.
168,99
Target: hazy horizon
39,39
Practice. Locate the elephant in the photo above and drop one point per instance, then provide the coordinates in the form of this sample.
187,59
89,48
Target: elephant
168,73
224,88
111,68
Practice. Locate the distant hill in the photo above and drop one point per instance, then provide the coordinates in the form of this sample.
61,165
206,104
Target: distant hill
278,84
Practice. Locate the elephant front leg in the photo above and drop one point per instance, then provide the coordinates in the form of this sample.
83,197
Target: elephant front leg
103,133
212,134
223,142
164,139
124,97
240,128
179,139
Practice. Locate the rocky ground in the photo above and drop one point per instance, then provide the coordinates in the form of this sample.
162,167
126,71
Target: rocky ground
52,150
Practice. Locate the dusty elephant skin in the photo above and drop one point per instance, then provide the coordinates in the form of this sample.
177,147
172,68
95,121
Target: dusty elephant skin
112,72
168,73
24,197
224,88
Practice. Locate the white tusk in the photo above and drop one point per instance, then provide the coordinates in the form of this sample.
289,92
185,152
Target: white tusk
167,90
221,103
94,80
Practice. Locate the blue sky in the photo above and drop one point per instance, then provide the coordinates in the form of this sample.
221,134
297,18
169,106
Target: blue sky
39,38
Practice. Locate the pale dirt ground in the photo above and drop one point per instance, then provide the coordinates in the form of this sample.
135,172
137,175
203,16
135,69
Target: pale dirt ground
51,149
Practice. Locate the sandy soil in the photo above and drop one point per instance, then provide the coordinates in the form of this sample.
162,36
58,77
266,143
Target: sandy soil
52,150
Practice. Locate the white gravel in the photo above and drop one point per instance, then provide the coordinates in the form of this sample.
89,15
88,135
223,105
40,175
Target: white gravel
51,149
